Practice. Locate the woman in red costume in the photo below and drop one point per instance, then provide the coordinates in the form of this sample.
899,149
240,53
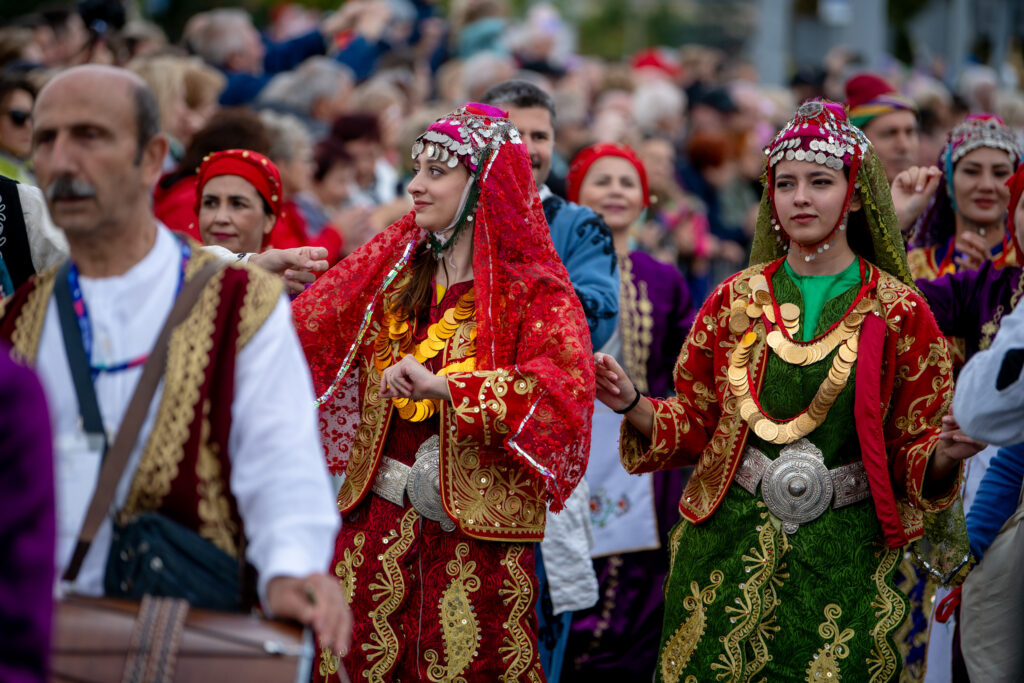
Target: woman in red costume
452,360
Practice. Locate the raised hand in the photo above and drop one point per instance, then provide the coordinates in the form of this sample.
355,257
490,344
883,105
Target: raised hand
911,191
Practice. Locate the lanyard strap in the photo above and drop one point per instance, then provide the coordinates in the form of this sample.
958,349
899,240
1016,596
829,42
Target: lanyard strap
85,327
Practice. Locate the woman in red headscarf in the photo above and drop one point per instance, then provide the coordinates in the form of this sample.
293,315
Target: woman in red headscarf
630,515
810,396
452,360
238,200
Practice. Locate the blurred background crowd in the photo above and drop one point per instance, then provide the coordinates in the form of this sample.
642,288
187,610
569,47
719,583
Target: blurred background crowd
335,95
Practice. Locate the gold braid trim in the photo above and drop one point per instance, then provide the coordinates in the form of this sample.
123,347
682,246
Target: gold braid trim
388,592
989,329
635,324
825,664
681,646
890,609
28,328
215,521
460,627
262,292
188,355
517,650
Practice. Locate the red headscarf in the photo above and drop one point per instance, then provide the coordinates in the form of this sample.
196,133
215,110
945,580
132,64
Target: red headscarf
253,167
523,295
586,158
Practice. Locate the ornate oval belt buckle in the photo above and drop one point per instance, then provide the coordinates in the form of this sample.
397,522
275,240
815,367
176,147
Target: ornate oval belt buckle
797,487
424,487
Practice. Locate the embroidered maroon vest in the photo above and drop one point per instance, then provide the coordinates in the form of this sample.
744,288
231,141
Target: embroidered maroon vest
185,469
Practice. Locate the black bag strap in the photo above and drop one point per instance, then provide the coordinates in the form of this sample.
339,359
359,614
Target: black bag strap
88,408
135,415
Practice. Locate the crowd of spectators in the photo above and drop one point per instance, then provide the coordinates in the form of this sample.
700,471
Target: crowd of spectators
335,99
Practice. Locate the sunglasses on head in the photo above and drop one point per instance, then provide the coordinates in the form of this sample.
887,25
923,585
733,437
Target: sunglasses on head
19,117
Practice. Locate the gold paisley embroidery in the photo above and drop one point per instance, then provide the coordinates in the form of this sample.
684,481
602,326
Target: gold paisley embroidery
517,590
491,406
387,592
28,328
496,498
262,292
680,647
460,627
825,665
215,520
351,560
754,611
890,609
635,323
329,662
188,356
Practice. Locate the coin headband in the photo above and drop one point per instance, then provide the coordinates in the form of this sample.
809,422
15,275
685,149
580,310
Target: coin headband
816,134
982,131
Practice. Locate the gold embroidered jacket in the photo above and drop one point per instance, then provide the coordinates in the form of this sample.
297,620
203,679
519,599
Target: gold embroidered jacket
701,425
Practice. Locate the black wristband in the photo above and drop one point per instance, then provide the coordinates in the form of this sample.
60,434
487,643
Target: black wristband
636,399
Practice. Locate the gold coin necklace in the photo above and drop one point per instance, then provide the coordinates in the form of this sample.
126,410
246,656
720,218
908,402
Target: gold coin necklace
845,336
396,331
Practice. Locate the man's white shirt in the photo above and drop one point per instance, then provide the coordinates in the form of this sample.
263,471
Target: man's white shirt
278,474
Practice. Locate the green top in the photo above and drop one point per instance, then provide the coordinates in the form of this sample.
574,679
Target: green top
815,290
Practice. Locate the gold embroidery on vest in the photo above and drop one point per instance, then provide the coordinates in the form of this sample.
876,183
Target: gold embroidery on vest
681,646
488,500
890,609
374,418
188,356
460,627
28,328
635,323
262,292
754,611
517,590
215,521
825,664
490,405
387,593
989,329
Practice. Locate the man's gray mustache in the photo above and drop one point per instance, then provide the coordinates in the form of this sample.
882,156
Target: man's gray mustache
69,188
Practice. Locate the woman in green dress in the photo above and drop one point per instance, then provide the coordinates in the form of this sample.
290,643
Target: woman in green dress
811,395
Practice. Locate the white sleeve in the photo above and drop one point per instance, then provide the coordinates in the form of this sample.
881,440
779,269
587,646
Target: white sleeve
46,242
983,411
224,254
278,473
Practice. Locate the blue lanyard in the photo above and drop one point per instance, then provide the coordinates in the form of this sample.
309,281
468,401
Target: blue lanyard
85,327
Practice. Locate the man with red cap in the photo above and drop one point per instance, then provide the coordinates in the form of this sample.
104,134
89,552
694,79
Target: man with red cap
888,119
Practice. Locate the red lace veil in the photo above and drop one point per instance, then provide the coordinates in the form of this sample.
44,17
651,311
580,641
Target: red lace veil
528,316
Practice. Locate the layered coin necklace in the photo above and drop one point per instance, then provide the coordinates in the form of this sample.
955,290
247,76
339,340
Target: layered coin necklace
845,336
396,330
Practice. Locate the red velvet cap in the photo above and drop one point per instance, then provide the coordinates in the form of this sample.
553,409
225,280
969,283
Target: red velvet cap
256,169
586,158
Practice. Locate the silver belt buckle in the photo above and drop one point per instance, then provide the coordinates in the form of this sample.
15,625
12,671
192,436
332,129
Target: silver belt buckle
422,482
797,487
